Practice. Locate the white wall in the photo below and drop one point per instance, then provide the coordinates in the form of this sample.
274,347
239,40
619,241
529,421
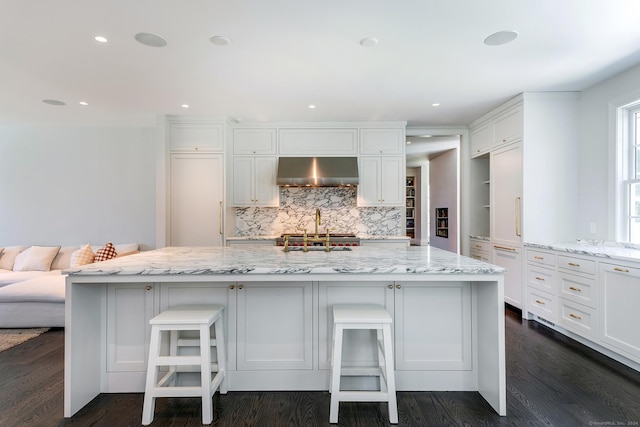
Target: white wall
68,186
443,179
596,167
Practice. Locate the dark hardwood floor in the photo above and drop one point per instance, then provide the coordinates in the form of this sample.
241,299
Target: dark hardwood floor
551,381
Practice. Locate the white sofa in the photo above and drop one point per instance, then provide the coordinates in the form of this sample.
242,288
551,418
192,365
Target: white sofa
35,298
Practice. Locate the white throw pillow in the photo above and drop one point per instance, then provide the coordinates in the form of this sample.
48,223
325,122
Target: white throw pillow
36,258
8,256
82,256
62,261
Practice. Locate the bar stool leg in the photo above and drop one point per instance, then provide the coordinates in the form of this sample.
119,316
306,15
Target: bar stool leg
389,374
336,365
205,374
148,407
221,353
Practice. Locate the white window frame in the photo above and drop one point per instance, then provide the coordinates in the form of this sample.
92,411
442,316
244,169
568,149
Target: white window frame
625,167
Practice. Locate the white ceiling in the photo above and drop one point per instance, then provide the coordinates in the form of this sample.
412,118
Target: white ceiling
287,54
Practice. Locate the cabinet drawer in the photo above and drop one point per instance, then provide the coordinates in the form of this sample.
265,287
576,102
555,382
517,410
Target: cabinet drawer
582,290
480,255
579,265
540,257
481,246
541,278
542,304
578,318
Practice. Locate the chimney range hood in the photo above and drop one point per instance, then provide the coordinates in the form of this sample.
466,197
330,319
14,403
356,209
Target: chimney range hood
317,171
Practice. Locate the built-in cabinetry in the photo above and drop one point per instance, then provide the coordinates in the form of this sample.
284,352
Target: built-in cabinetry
523,156
381,181
196,183
592,297
442,222
254,167
480,249
411,211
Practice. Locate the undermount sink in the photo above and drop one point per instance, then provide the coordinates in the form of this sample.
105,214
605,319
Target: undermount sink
319,249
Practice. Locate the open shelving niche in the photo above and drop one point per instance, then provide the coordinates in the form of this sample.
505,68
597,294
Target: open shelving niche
411,207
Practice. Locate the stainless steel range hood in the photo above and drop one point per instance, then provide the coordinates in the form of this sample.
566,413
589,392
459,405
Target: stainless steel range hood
317,171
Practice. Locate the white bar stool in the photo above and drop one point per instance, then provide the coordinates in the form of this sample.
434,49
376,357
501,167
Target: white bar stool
177,319
363,316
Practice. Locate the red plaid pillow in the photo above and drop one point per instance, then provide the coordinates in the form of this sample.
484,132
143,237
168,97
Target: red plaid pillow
105,253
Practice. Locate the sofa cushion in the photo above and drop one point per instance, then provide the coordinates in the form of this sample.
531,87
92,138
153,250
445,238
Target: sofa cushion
82,256
8,256
36,258
47,288
62,261
20,276
106,253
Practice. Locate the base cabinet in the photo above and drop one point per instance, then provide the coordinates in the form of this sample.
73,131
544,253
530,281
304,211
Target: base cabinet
510,257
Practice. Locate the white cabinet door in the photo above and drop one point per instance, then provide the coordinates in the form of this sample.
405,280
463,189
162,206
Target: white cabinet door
481,137
506,195
254,181
254,141
178,293
381,181
130,306
510,258
509,126
275,326
382,141
196,191
433,327
619,314
318,142
197,137
358,346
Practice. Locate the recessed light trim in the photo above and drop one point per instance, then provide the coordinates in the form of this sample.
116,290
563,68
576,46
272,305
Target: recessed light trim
84,103
100,39
312,106
54,102
435,104
151,40
220,40
368,42
185,105
501,37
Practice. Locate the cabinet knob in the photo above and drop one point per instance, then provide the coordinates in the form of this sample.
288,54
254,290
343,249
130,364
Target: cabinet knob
398,286
196,148
240,286
231,287
390,286
149,287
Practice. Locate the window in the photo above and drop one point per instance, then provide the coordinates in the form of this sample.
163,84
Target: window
629,172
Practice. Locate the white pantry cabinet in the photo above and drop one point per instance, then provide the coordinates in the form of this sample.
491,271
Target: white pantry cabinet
510,257
382,141
195,199
254,181
481,136
381,181
506,195
275,326
192,137
508,127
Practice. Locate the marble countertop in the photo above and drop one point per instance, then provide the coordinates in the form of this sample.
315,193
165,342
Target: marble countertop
273,260
360,236
606,250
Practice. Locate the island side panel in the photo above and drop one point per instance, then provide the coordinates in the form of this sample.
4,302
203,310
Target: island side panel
84,344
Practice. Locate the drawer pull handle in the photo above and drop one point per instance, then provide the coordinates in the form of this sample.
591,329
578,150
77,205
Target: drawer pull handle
622,270
538,257
540,278
540,302
478,246
573,264
505,248
575,316
573,288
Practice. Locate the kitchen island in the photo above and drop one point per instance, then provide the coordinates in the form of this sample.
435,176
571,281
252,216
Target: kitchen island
448,316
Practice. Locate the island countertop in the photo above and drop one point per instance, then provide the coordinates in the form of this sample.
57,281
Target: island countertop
273,260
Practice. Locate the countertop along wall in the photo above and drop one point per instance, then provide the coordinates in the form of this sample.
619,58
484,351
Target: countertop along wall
73,185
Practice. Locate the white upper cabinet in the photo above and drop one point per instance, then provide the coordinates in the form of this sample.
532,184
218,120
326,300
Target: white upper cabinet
508,127
254,181
481,138
382,141
254,141
381,181
197,137
318,142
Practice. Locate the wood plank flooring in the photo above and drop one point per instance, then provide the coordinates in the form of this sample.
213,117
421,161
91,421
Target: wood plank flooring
551,381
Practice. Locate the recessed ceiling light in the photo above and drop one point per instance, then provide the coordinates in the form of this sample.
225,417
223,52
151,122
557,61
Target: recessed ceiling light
312,106
368,42
53,102
408,142
236,119
435,104
85,103
220,40
100,39
151,40
185,105
501,37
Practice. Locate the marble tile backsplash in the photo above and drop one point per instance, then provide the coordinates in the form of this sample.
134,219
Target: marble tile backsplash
337,208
